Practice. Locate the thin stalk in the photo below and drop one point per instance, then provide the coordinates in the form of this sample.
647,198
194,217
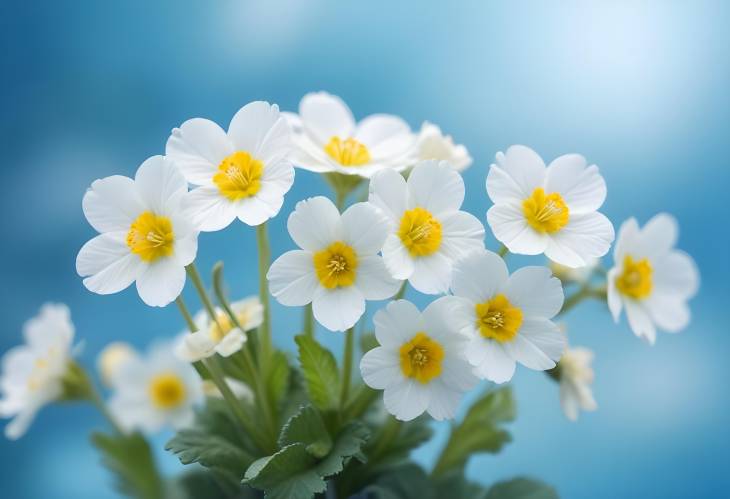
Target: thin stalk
583,293
388,434
359,402
262,240
503,251
308,321
104,410
347,365
402,291
200,288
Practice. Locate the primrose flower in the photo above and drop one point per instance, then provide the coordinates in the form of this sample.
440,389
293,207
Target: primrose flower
242,174
32,373
114,356
338,267
650,278
420,362
576,377
155,390
548,210
432,144
222,336
144,236
427,230
329,140
507,318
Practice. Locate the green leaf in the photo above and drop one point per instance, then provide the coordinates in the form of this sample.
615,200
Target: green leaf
320,373
368,342
522,488
454,485
479,431
277,376
294,473
403,482
410,436
129,457
307,427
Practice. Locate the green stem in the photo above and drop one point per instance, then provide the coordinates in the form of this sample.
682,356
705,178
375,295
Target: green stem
359,403
388,434
200,288
340,198
104,410
186,314
503,251
583,293
308,321
347,365
262,240
402,291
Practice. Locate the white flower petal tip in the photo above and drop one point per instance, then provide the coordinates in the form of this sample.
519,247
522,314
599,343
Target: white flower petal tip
576,377
155,391
32,373
338,267
144,236
327,139
551,210
432,144
243,173
428,232
651,279
507,318
420,362
111,360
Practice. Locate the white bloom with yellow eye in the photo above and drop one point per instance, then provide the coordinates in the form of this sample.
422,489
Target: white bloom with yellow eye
144,236
32,373
154,391
576,377
243,173
507,317
329,140
222,336
338,267
427,230
432,144
420,362
113,357
548,210
651,279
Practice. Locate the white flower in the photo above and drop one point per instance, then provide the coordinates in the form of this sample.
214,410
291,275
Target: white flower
239,389
32,373
329,140
144,236
579,275
548,210
427,230
338,267
507,318
114,356
576,377
243,173
221,336
651,279
420,361
432,144
154,391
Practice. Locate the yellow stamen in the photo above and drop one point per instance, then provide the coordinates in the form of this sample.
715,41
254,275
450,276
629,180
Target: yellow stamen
349,152
498,319
545,212
167,391
336,265
239,176
636,279
421,358
151,237
420,232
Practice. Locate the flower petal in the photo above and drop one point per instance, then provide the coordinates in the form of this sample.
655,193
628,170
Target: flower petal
160,185
292,279
107,263
478,276
535,291
583,189
397,260
670,313
526,168
112,204
338,309
659,235
502,188
585,237
676,274
197,148
431,274
490,359
444,400
325,116
251,125
207,209
539,344
374,280
397,323
407,399
231,343
640,321
315,223
388,191
510,228
462,234
386,136
365,228
380,368
159,283
614,298
433,185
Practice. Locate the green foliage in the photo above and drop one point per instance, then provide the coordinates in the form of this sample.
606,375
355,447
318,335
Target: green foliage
479,431
368,342
403,482
129,457
320,373
307,427
277,376
522,488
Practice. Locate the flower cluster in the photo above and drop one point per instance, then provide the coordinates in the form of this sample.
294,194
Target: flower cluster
407,232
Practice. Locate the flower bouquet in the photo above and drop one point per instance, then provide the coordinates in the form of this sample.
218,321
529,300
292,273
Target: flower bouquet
297,423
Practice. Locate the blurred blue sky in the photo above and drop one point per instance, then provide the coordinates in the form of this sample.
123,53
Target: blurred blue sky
89,89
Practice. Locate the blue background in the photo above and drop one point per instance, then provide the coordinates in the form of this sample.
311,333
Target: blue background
90,89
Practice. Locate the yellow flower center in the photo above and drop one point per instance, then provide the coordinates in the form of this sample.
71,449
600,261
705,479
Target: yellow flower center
224,325
167,391
545,212
239,176
421,358
349,152
635,280
151,237
498,319
335,266
420,232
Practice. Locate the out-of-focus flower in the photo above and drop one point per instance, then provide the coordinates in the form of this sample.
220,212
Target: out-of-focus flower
32,374
548,210
427,230
578,275
144,236
243,173
507,318
329,140
432,144
240,390
576,377
154,391
651,279
114,356
338,267
420,362
221,336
